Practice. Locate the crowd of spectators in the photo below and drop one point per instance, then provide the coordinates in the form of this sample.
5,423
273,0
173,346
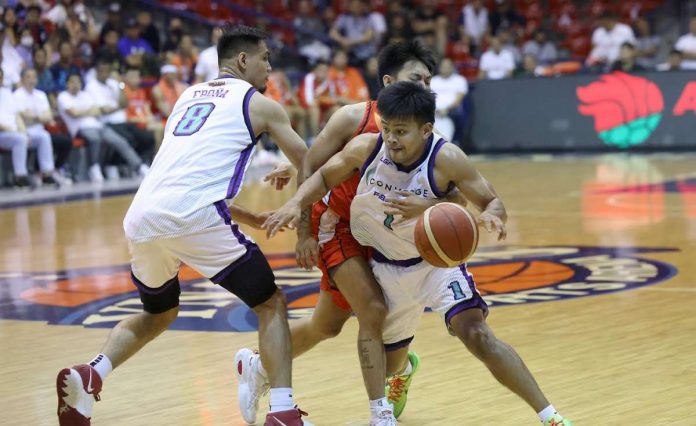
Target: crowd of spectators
109,84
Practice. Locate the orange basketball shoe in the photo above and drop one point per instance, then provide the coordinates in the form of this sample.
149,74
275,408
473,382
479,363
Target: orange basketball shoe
77,389
287,418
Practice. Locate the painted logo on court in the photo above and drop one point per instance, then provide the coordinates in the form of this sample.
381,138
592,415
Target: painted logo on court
626,108
512,275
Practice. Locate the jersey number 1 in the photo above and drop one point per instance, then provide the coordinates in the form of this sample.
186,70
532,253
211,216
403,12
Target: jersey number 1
193,119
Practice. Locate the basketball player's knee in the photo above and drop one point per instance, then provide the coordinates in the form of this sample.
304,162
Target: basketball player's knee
328,330
273,305
477,337
373,315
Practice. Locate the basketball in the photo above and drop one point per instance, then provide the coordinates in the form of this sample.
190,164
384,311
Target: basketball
446,235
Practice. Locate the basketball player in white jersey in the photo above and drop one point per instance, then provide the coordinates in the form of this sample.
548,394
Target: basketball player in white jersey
182,212
406,158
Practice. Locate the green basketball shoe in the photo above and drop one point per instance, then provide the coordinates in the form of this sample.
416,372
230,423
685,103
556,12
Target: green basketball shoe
397,386
557,421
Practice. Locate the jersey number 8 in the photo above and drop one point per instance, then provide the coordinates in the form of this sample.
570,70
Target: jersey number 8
193,119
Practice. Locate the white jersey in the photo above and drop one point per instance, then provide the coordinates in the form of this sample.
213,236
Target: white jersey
381,178
207,147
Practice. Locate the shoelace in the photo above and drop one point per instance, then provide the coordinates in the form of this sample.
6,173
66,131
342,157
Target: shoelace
554,423
396,387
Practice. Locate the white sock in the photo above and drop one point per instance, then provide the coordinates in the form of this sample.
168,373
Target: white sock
377,405
281,399
102,364
546,413
407,370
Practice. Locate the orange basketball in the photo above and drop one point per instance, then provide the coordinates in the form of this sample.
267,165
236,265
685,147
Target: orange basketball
446,235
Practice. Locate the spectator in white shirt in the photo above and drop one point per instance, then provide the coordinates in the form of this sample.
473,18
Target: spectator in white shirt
687,46
10,59
450,89
607,40
474,18
80,112
32,104
108,95
496,63
13,137
207,66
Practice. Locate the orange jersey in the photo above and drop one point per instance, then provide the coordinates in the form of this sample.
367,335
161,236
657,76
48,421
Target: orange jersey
340,197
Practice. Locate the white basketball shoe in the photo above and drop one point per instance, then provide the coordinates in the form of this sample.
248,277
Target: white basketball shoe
252,385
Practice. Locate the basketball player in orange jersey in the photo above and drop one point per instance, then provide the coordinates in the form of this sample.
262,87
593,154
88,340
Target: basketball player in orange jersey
406,156
347,282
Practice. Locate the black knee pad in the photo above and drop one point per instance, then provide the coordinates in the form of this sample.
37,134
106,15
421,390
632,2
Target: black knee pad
250,278
161,299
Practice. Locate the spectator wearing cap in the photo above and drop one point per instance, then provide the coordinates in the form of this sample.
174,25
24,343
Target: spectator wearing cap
32,104
148,31
80,114
64,67
496,63
108,95
13,137
687,46
167,90
113,21
139,110
607,40
132,47
207,65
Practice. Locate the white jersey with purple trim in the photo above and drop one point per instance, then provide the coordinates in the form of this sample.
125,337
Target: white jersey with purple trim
381,178
207,147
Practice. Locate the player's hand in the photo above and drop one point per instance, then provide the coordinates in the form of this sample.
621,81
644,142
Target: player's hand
286,216
261,218
307,252
492,223
280,175
407,206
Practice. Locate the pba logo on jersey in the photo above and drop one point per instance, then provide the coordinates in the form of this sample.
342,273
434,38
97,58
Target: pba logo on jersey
626,108
510,275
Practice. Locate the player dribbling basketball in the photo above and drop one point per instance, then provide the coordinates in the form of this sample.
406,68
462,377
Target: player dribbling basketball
407,157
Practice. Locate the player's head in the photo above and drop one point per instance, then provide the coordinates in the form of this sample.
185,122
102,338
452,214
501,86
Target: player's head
407,61
408,113
242,51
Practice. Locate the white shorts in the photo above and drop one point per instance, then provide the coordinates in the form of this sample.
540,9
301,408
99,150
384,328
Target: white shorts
211,252
409,290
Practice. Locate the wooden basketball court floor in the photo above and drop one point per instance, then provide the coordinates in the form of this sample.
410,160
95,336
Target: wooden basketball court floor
594,287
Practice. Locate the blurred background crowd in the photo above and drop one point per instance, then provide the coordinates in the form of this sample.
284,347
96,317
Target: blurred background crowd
87,86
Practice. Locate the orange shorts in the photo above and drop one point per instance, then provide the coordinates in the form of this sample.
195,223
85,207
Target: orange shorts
336,244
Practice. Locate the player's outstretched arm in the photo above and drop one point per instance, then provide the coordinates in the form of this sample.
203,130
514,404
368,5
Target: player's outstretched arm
452,165
269,116
339,168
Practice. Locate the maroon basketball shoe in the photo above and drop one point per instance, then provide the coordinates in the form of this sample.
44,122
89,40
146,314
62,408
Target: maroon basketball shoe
77,388
287,418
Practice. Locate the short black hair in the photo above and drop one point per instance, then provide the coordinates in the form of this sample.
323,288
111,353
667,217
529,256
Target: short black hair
407,100
238,38
393,57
